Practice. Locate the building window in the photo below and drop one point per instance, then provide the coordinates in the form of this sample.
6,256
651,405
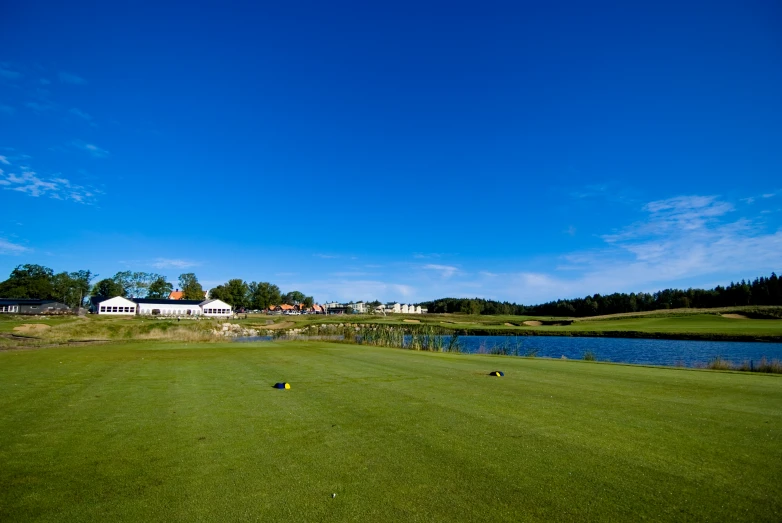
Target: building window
114,309
103,308
132,309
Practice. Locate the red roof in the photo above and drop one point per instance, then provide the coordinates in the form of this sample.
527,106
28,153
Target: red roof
175,295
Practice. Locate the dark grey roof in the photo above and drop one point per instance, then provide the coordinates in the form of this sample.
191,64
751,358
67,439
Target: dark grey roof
156,301
97,299
25,301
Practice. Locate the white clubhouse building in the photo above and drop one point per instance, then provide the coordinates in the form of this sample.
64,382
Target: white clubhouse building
160,307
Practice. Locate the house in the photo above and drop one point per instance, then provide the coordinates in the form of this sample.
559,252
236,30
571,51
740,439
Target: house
30,306
162,307
284,307
317,309
359,307
177,295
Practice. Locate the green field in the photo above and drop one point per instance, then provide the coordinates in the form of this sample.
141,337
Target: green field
152,431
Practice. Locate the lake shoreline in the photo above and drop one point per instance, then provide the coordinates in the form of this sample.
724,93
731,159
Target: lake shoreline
692,336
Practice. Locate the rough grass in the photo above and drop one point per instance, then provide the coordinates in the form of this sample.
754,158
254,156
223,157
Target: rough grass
172,432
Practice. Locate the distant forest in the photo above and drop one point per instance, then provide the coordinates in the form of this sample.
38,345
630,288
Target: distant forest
761,291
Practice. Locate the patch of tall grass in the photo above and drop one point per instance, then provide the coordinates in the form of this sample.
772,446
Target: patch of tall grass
413,337
765,365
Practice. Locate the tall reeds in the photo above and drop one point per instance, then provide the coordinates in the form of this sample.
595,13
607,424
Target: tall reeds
413,337
773,366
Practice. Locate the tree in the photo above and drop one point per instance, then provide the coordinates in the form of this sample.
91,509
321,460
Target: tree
292,298
308,302
220,293
263,294
139,283
108,288
237,293
29,281
191,289
125,280
159,288
71,288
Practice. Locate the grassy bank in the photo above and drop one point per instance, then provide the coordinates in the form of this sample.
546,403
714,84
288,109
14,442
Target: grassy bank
170,432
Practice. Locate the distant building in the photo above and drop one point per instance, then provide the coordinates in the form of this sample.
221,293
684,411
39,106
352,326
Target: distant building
177,295
359,307
30,306
399,308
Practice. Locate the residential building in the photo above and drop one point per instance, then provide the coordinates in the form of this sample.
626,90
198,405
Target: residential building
359,307
30,306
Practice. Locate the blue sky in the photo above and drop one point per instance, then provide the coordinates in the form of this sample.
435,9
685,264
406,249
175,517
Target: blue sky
409,151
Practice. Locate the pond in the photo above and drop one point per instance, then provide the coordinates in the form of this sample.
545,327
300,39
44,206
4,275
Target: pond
624,350
685,353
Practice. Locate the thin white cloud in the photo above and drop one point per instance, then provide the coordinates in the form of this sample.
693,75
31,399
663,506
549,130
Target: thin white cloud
446,271
69,78
7,247
93,149
326,256
4,160
769,195
169,263
81,114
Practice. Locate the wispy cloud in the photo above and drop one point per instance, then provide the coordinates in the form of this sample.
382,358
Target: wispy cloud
326,256
169,263
44,81
682,239
446,271
39,107
347,289
7,247
7,109
93,149
70,78
8,74
81,114
27,181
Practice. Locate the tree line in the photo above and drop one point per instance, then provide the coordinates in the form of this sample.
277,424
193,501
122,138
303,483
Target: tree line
760,291
30,281
257,295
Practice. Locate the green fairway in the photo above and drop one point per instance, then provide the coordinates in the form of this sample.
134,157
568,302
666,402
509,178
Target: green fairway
173,432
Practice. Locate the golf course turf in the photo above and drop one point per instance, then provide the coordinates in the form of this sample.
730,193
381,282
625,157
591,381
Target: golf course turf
163,431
